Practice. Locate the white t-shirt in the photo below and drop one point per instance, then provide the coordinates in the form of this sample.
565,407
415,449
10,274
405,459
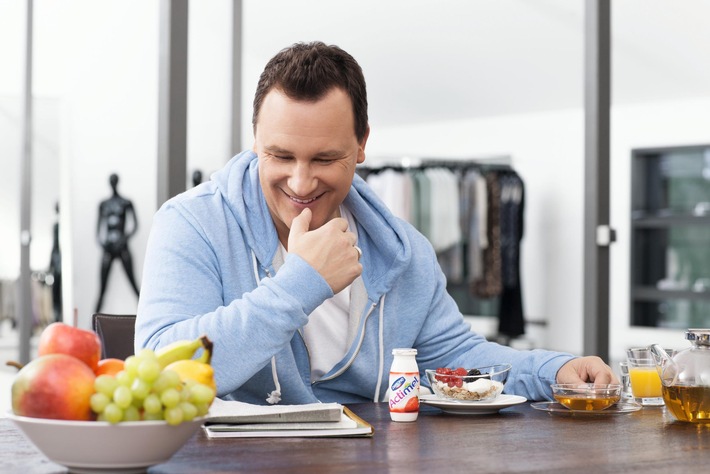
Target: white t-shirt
326,331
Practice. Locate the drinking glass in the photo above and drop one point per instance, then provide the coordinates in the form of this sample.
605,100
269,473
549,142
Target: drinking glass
644,378
626,393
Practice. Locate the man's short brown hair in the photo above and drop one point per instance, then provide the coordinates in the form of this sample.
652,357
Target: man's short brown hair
307,71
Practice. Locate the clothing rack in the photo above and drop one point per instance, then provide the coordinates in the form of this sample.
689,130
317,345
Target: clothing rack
493,163
478,251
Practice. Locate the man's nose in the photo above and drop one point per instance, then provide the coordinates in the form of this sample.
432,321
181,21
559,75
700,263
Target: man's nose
302,181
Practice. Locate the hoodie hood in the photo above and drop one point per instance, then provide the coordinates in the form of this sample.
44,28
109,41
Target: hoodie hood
381,236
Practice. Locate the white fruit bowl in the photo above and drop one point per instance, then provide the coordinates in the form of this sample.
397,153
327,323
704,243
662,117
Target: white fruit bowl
94,446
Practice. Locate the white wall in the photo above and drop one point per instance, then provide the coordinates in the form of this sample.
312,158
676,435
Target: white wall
45,193
209,82
11,34
10,149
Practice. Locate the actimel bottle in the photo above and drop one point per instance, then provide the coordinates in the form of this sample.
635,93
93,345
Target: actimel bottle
404,385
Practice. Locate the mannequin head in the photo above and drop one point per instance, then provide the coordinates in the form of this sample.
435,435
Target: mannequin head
113,180
196,177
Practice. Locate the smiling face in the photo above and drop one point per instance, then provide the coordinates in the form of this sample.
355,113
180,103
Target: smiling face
307,156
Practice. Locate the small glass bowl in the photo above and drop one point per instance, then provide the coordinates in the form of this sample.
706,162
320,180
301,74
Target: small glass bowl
470,388
586,396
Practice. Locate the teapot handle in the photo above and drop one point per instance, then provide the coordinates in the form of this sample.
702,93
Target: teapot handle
665,365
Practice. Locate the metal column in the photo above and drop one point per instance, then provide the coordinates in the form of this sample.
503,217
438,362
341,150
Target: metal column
597,234
24,302
236,105
172,93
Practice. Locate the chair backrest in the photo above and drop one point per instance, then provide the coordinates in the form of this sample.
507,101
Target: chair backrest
116,332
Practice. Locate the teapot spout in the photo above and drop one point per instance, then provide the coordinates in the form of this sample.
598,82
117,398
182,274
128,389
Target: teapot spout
666,366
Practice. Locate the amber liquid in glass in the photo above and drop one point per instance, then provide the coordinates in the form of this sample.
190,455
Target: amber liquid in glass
688,403
582,402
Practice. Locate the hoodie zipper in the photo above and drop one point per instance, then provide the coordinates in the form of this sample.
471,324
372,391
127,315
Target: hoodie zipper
357,351
308,351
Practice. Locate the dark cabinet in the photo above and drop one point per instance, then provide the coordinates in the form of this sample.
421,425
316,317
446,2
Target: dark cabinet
670,241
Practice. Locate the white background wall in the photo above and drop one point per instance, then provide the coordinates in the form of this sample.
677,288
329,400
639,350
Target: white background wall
96,66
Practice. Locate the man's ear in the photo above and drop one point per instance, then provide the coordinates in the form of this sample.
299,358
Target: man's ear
363,142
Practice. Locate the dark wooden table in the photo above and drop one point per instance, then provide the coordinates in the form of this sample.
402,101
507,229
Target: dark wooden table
518,439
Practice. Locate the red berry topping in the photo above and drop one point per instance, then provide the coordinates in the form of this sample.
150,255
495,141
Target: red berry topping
442,373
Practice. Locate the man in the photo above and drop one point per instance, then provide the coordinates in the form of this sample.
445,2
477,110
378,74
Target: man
300,275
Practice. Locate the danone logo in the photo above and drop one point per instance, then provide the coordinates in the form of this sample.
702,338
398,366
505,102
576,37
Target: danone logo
397,383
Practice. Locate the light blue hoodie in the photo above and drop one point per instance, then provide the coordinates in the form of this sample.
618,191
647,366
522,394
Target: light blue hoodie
212,267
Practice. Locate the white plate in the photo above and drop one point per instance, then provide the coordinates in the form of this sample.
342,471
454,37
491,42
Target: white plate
464,407
555,408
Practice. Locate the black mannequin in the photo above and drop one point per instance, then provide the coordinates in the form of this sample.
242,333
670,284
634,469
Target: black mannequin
55,269
196,177
113,237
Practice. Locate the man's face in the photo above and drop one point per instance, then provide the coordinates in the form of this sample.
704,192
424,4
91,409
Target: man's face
307,156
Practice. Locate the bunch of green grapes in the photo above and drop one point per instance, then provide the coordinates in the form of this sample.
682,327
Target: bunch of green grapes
144,391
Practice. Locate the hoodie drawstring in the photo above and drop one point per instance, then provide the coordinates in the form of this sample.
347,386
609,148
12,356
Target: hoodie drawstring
275,395
381,370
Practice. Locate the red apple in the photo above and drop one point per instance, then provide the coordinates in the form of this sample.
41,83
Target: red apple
56,386
60,338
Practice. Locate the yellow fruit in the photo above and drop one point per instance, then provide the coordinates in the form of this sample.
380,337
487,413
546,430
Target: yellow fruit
195,370
178,350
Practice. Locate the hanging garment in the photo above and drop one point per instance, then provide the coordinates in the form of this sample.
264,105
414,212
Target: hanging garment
474,213
422,195
450,256
511,321
490,284
473,217
445,227
395,190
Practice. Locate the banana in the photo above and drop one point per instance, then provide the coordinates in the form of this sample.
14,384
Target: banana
206,356
180,350
198,369
194,370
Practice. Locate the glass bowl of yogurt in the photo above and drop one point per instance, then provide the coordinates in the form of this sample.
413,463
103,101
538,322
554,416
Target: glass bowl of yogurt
469,385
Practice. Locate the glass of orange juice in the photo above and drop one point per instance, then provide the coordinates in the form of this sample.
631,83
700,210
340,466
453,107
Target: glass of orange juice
644,378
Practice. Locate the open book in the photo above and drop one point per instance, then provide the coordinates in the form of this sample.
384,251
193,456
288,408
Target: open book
231,419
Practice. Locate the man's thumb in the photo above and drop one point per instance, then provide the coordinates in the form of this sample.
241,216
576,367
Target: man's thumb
300,224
